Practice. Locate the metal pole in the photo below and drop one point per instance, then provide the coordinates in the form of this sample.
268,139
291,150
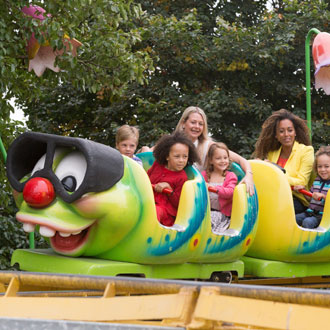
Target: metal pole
308,79
31,240
3,150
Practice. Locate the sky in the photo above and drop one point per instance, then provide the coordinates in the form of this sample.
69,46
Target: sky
18,114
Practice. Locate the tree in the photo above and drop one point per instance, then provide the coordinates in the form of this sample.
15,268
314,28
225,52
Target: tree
236,60
106,61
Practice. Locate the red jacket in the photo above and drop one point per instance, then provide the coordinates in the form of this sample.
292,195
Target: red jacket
225,192
159,173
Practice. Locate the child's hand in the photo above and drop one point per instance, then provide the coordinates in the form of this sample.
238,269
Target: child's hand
318,196
145,149
297,188
161,185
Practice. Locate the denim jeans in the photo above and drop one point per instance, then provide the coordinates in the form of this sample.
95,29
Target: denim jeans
298,206
307,220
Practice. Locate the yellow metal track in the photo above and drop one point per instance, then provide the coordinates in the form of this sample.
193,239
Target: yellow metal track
321,282
192,305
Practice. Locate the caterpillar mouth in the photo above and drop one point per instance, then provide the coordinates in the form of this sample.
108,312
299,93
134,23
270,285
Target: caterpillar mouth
69,243
63,240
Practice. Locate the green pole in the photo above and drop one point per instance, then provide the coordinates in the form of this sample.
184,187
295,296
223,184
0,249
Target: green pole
308,79
31,240
4,154
3,150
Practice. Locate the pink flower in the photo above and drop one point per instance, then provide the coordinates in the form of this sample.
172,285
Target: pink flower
35,12
43,56
321,56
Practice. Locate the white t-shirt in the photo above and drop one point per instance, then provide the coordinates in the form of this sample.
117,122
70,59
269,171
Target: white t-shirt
201,166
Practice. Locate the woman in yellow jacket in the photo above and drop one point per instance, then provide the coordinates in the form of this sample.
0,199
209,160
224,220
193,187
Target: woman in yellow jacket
284,140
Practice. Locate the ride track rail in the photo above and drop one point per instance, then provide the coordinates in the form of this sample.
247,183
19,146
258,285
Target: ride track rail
316,282
166,303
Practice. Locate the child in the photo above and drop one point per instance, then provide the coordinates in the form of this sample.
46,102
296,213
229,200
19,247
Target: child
217,175
172,154
127,139
311,218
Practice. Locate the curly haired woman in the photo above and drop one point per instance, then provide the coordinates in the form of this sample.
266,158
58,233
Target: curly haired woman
284,140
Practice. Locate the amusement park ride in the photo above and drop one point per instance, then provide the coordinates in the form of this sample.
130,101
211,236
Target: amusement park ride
96,208
106,224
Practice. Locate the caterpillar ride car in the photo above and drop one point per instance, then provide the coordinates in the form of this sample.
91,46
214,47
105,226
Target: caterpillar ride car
97,209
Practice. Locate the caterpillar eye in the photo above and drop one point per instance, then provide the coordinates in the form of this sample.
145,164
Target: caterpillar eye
39,165
71,171
69,183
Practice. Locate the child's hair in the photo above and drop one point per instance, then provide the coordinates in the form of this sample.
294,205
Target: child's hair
212,149
126,132
165,143
324,150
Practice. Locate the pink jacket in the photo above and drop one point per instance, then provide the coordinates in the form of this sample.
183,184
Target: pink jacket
225,192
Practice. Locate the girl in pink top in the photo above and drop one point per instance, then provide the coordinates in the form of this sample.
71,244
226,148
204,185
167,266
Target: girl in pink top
217,175
172,154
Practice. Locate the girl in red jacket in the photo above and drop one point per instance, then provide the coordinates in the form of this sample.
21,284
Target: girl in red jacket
172,154
217,175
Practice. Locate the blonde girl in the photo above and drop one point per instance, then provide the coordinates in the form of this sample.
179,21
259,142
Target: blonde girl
217,174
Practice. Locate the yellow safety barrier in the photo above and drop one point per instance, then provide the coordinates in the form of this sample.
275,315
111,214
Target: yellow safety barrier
191,305
94,299
217,311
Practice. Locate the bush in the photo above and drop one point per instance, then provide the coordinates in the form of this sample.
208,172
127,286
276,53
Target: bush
12,237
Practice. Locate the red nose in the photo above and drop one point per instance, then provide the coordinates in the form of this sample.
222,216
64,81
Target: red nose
38,192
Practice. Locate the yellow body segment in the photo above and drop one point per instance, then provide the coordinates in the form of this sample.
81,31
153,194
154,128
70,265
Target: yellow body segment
278,235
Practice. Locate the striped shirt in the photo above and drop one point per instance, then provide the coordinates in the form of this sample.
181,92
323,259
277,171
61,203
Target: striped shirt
321,186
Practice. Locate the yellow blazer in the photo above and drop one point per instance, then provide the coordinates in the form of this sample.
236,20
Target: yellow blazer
298,167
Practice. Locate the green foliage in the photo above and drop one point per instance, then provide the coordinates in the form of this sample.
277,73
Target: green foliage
8,131
242,12
238,66
12,237
106,60
248,61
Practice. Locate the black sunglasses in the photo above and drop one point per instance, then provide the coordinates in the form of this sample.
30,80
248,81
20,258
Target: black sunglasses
104,165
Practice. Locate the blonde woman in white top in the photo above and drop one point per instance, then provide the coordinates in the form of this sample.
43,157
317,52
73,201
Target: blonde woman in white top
194,123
